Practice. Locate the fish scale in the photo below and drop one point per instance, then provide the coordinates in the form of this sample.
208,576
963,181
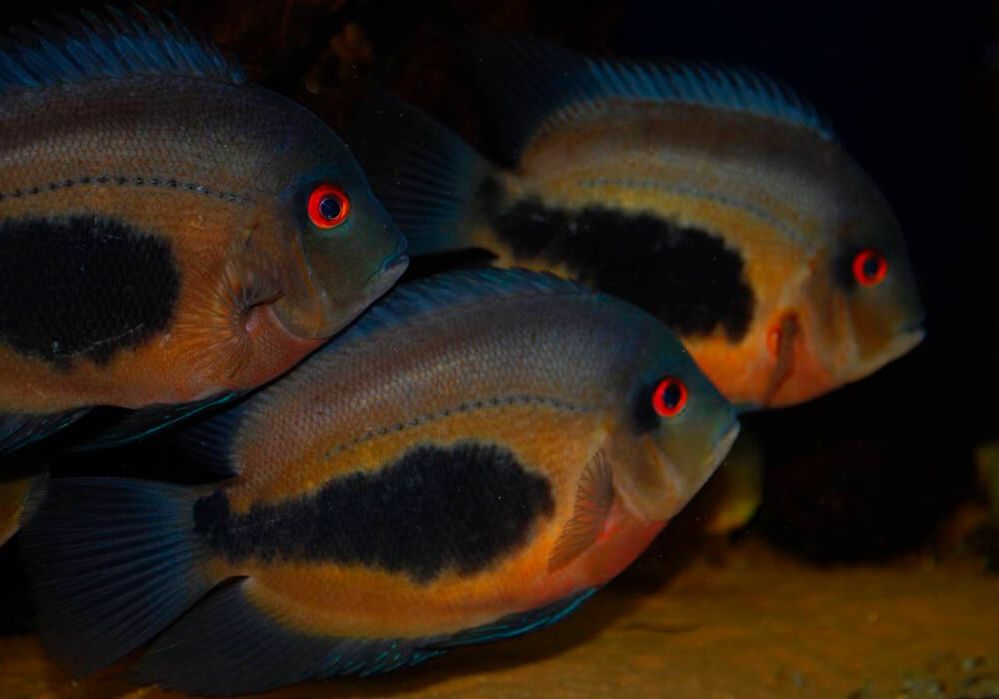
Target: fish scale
173,258
468,462
714,197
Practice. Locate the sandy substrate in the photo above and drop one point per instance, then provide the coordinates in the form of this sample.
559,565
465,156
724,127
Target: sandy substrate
748,623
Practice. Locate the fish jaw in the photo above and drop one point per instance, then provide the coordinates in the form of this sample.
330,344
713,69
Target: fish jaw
319,317
379,284
900,345
676,481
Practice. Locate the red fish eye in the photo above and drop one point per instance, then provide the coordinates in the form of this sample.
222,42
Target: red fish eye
328,206
870,267
670,397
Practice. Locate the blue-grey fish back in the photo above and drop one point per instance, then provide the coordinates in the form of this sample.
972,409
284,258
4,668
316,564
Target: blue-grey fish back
122,44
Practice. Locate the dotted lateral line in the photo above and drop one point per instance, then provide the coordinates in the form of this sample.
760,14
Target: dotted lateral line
122,181
448,412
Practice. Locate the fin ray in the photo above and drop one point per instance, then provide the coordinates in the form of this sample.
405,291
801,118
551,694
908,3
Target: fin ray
120,45
138,424
21,430
96,605
424,174
227,645
537,86
453,289
210,440
518,624
594,496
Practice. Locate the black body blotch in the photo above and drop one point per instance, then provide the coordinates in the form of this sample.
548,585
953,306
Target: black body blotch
436,509
685,276
82,287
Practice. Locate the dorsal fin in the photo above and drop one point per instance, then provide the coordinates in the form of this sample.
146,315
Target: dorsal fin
409,301
537,86
116,46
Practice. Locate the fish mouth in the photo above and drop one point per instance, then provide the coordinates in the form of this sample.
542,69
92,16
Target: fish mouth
396,261
380,282
718,453
686,484
394,266
903,343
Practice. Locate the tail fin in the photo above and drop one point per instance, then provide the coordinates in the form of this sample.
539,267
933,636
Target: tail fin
424,174
111,563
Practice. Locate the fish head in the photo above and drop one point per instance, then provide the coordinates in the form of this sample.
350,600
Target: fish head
347,250
677,428
863,308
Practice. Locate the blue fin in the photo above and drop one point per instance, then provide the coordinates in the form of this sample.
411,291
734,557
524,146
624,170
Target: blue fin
537,86
514,625
209,440
20,430
424,174
111,563
136,425
120,45
225,645
408,302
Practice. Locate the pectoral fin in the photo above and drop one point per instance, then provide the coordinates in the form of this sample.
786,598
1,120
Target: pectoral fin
594,496
782,338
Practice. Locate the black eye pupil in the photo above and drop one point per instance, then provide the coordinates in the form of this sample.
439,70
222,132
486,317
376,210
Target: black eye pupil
329,208
671,395
872,265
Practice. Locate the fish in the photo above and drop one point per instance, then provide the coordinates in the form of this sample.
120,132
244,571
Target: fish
468,462
171,235
715,198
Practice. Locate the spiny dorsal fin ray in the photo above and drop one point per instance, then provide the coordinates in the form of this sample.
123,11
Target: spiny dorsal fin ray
119,45
409,301
537,86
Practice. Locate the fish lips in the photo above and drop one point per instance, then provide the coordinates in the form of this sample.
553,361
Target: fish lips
904,342
685,483
380,282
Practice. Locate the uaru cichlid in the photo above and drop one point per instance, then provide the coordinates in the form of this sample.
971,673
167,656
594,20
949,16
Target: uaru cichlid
715,199
169,233
467,462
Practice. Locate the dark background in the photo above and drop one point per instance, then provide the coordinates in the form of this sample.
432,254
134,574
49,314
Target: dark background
913,92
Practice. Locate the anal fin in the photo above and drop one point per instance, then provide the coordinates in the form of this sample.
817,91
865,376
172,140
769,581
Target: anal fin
513,625
227,645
